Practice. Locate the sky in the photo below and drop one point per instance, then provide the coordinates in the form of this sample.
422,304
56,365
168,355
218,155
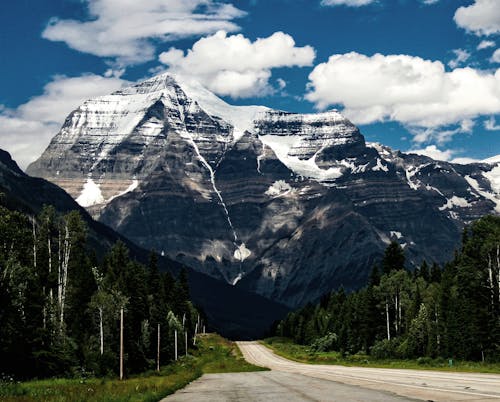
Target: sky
416,75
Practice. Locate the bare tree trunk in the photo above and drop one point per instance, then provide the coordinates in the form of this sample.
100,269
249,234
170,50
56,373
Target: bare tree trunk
158,351
101,330
490,280
396,322
175,340
49,249
387,320
34,242
64,275
498,271
121,343
438,336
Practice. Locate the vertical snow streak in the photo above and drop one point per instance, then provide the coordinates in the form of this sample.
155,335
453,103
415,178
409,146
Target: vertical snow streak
212,179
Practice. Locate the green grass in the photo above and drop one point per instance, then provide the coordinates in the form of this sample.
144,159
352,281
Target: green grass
300,353
214,355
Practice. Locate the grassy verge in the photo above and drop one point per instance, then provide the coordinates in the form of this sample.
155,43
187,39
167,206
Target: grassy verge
214,355
300,353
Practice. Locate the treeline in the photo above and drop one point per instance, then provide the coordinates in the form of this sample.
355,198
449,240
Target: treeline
448,312
60,307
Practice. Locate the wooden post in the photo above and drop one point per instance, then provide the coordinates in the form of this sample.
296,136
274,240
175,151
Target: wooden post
175,336
158,351
121,344
186,339
204,330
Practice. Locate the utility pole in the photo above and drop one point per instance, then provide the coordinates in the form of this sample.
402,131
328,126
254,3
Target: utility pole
158,351
121,344
175,336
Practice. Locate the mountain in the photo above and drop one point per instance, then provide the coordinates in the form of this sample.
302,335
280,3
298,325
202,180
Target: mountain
285,205
218,300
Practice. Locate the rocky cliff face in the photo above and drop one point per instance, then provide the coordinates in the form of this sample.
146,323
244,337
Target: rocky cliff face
286,205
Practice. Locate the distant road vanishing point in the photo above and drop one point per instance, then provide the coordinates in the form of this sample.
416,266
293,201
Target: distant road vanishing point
292,381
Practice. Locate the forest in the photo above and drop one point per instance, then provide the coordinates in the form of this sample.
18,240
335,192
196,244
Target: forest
432,312
60,304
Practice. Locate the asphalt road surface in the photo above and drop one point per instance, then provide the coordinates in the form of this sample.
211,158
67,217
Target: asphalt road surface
274,386
416,384
290,381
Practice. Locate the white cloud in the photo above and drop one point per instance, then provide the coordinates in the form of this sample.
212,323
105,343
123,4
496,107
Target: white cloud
429,2
485,44
434,152
464,160
439,134
407,89
481,18
495,58
125,30
348,3
281,83
491,124
461,56
234,65
26,131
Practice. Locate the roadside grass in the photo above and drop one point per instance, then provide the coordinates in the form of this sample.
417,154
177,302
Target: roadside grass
287,348
213,355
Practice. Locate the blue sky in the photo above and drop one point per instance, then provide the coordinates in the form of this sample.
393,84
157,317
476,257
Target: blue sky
413,74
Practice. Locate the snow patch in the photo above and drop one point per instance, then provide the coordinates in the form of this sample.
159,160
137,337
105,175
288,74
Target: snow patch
90,195
493,177
380,166
132,187
281,146
492,197
455,202
278,188
412,171
396,234
242,253
237,279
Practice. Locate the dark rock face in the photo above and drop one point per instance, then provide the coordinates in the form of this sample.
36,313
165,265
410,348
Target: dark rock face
285,205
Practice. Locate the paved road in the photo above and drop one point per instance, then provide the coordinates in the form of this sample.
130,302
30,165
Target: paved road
275,386
418,384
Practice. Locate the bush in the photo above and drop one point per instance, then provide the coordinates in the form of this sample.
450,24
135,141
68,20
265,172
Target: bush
325,343
385,349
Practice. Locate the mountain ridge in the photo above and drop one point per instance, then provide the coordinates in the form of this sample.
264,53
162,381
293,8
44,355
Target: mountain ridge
290,208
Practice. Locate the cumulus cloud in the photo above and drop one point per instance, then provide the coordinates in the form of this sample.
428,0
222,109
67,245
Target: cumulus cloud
410,90
481,18
495,58
26,131
348,3
485,44
125,30
434,152
235,66
461,56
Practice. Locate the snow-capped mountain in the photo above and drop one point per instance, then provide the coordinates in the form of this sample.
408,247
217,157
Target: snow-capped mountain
285,205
